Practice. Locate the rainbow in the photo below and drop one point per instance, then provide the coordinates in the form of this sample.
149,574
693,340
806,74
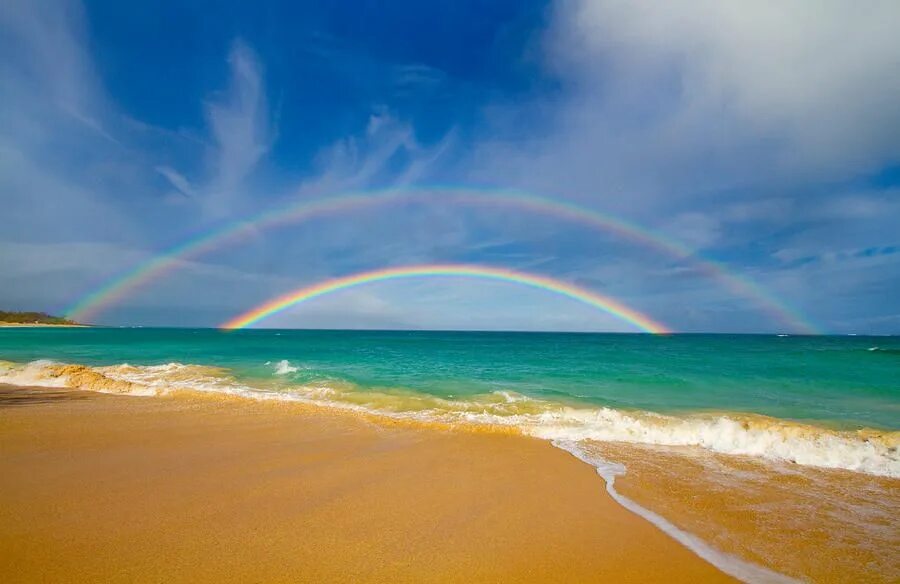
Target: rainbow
588,297
88,307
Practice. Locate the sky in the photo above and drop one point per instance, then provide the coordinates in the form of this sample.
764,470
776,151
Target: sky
763,137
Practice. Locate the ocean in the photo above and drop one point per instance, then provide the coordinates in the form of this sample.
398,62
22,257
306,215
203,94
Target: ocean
732,442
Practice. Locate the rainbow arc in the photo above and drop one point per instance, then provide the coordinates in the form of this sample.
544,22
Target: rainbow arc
306,293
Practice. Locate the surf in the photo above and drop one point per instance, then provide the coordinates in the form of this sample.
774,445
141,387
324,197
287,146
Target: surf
870,451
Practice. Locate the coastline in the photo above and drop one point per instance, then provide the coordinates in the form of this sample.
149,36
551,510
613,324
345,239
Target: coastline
40,325
701,479
187,488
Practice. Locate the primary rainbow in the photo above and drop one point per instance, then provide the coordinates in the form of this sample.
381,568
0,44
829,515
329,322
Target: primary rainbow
89,306
614,307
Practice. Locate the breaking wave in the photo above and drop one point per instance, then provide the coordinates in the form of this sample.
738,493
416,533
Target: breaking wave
284,367
868,451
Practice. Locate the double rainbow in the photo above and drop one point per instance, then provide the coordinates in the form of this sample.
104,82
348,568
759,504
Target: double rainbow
614,307
89,306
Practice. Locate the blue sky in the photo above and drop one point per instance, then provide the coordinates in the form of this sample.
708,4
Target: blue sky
765,136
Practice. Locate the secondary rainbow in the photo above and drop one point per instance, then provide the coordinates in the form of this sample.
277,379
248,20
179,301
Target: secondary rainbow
88,307
605,303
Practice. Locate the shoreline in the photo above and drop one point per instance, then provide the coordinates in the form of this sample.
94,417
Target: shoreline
735,511
863,449
99,486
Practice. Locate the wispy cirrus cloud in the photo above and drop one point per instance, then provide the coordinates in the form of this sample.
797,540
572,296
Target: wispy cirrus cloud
50,67
386,153
240,126
240,132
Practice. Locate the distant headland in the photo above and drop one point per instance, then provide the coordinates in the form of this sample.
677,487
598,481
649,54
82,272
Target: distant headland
10,319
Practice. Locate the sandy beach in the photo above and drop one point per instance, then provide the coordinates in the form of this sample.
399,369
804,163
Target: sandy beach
98,487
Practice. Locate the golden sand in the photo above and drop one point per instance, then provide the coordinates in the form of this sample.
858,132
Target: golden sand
127,489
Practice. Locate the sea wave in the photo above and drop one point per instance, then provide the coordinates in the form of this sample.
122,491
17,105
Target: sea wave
867,451
284,367
888,351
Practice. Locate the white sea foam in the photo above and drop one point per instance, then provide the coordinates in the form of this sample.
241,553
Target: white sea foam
30,374
511,397
284,367
865,451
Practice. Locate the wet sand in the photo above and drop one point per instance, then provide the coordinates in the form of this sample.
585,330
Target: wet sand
98,487
813,524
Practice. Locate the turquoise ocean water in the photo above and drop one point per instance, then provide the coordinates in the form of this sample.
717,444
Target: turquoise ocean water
673,390
849,381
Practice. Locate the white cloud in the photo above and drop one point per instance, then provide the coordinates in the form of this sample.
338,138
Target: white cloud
385,153
239,124
178,180
820,76
698,230
663,104
867,205
63,168
52,67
